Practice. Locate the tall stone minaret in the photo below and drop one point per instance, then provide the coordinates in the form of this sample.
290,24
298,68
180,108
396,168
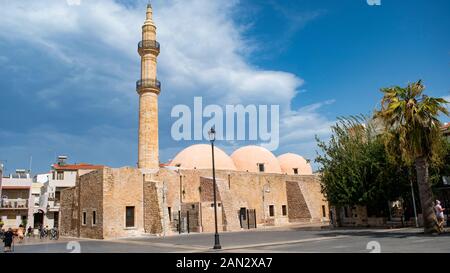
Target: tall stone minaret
148,88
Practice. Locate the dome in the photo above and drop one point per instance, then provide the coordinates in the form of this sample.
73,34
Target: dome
290,161
249,158
199,157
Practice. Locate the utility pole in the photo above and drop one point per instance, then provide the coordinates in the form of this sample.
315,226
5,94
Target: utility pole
31,162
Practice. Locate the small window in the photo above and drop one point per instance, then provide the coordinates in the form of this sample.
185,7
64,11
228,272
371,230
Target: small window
178,165
324,213
94,218
84,218
261,167
129,215
57,196
193,206
284,210
53,175
271,211
295,170
169,209
60,175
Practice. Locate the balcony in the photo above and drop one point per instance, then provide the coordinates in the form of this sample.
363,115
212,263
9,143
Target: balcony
14,203
53,205
148,46
148,86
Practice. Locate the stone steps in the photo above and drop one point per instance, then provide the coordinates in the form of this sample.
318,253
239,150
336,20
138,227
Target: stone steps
231,220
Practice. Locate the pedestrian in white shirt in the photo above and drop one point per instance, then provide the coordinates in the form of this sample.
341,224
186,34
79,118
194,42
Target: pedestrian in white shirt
439,215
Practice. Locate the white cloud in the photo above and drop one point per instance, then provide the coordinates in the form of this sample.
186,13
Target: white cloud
203,53
447,98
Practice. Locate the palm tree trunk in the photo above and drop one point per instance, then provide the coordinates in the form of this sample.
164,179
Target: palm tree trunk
426,196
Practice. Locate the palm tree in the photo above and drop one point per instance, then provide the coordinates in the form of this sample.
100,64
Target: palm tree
412,135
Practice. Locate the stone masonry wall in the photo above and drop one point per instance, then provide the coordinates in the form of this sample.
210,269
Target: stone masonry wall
91,200
68,213
152,212
122,187
297,208
311,189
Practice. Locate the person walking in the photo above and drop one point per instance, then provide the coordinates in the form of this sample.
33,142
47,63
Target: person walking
29,231
439,215
21,233
8,240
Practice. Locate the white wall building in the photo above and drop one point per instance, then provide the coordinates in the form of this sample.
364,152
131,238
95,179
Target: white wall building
62,176
16,200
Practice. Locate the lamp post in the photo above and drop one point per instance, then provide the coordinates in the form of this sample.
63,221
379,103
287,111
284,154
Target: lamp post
212,137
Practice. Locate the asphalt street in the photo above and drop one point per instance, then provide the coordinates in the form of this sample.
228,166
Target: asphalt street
299,240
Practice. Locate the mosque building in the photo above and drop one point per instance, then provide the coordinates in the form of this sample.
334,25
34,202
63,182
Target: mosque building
254,187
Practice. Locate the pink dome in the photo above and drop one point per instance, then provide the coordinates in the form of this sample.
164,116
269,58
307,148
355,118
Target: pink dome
290,161
249,158
199,157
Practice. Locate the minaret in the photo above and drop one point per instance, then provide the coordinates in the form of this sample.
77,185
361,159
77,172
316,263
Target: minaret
148,88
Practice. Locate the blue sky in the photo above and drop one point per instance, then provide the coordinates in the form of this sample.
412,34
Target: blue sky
68,72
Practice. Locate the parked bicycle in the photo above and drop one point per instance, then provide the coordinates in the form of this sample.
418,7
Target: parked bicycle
54,234
43,233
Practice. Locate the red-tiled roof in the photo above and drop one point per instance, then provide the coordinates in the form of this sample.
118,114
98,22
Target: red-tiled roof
164,164
445,126
74,167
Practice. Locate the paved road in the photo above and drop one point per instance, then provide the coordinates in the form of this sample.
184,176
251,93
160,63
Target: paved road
283,240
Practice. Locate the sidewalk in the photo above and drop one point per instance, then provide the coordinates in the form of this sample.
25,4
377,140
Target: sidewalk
37,241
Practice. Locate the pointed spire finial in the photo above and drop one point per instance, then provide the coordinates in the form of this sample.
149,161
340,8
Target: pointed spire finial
149,17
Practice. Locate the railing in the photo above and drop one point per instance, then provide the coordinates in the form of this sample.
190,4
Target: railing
54,204
14,203
148,44
141,84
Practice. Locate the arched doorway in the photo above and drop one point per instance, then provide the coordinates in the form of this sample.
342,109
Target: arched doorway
38,218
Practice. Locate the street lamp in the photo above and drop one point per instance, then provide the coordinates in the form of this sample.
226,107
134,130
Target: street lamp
212,137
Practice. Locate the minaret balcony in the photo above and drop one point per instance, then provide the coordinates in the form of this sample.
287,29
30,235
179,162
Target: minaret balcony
148,86
148,46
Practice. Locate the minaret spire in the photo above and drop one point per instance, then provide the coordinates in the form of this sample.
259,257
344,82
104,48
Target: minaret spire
148,88
149,17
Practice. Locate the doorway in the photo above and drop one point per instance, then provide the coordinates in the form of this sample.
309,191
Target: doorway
243,217
38,219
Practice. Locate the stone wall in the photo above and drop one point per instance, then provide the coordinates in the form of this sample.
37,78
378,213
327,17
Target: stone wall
190,215
315,200
207,190
110,191
152,209
69,213
297,208
122,188
91,201
246,191
207,217
353,216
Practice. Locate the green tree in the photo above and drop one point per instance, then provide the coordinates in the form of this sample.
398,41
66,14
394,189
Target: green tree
412,135
355,169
